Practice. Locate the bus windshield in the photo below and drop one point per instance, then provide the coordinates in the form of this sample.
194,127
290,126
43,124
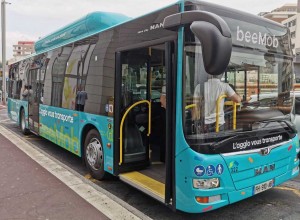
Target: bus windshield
262,80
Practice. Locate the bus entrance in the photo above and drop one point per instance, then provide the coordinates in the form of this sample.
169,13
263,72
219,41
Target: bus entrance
142,118
34,84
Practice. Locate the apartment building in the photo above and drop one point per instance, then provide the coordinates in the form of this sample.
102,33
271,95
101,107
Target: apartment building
289,15
23,48
280,14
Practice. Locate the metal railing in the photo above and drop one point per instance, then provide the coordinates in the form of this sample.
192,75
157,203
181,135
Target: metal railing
234,104
123,120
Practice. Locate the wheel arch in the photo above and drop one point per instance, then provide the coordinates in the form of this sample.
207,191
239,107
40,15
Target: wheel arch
100,173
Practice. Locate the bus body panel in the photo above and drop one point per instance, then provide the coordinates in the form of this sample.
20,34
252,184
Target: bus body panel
14,106
232,189
92,23
65,127
251,169
105,128
241,194
61,127
192,165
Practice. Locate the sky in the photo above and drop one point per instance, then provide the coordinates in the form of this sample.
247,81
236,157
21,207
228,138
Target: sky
32,19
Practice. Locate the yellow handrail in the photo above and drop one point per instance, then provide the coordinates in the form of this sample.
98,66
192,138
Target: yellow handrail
122,123
190,106
217,111
234,115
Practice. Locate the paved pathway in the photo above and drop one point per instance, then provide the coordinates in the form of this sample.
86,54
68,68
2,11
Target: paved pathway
36,186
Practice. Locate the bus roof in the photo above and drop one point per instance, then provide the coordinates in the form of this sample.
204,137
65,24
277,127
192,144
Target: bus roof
233,13
88,22
97,22
88,25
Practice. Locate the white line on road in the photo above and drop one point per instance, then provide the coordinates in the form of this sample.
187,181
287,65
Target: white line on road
105,202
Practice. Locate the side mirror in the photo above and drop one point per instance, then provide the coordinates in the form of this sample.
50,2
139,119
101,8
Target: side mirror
213,33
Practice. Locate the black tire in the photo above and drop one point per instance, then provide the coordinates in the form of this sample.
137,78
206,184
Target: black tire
23,128
94,155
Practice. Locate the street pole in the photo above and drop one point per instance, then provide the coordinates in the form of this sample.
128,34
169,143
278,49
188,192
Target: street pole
3,28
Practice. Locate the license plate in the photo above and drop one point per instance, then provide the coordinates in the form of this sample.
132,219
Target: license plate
263,186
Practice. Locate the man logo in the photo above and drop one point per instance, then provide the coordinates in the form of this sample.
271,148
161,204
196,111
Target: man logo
264,169
265,151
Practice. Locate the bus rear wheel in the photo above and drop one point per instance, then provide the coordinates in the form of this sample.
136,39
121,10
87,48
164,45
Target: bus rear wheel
94,154
23,123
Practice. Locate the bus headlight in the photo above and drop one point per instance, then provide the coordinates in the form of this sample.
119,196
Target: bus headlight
206,183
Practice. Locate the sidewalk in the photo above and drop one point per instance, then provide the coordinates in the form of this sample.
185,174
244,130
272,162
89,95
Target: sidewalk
2,106
28,191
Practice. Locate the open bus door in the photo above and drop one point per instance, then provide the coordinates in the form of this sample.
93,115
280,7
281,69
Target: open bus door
135,111
34,82
142,139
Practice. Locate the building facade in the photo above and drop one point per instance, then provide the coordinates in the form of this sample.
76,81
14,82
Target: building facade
23,48
293,23
289,16
280,14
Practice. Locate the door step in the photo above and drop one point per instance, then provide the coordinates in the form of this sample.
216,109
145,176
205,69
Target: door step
146,184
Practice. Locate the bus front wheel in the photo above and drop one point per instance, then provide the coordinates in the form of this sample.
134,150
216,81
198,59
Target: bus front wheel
94,154
23,123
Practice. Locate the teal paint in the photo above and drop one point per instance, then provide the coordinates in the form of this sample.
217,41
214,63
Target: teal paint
90,24
14,107
235,184
64,127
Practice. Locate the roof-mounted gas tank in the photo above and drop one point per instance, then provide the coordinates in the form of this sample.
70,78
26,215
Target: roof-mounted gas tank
90,24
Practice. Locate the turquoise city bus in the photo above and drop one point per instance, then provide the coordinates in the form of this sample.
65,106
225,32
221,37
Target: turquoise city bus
94,88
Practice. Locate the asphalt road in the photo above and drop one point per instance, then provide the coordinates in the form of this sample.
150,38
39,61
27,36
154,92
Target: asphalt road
278,203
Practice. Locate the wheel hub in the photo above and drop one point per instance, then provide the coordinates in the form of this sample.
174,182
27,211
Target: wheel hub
94,154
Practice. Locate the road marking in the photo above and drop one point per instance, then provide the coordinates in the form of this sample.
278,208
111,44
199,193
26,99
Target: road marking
105,202
297,192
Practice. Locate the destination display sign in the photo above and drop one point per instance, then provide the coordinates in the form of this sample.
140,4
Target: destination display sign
244,143
271,38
